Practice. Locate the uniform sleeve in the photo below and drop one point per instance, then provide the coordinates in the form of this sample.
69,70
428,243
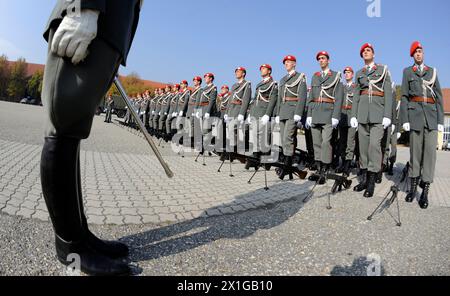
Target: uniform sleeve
388,100
246,99
273,101
439,101
309,100
186,103
302,97
339,96
356,97
404,117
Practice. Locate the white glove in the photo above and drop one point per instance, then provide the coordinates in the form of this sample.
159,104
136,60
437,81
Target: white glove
153,112
354,122
165,113
406,127
399,135
159,113
334,122
386,122
225,117
249,121
240,118
393,129
440,128
206,115
197,115
265,119
308,122
181,113
297,118
174,114
277,120
74,34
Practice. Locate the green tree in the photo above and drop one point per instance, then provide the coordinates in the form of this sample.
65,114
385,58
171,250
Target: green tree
34,85
18,81
5,73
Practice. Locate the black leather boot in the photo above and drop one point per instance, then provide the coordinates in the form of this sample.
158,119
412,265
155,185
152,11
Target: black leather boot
412,192
340,169
379,177
315,176
390,171
113,249
363,183
346,168
371,176
423,201
59,178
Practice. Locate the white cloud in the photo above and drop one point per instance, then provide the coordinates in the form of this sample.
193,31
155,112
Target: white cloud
11,50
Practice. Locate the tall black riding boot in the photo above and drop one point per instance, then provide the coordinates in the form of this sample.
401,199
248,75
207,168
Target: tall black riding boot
341,168
391,168
363,183
113,249
412,192
379,177
346,169
59,162
423,201
371,176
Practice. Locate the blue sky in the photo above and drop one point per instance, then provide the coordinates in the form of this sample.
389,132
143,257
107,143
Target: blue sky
177,40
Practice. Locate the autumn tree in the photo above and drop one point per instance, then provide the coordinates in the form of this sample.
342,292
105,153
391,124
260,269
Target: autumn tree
5,73
18,79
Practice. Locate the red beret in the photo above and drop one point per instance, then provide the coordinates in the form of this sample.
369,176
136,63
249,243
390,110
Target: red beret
266,66
198,78
184,82
349,69
241,69
324,53
367,45
177,86
414,47
289,58
225,86
209,75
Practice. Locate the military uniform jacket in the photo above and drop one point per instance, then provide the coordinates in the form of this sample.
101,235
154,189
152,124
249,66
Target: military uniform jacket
266,96
174,103
372,108
165,105
159,105
425,84
240,99
347,103
222,104
193,101
325,88
152,105
183,102
117,21
207,101
291,86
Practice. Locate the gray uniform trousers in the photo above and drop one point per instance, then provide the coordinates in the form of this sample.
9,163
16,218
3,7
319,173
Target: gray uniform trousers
288,135
390,152
423,145
322,134
347,139
70,103
370,136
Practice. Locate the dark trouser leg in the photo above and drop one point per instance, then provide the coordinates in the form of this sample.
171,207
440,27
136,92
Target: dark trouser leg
70,97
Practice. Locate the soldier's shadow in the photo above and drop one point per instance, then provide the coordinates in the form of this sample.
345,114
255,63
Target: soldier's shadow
184,236
361,266
395,179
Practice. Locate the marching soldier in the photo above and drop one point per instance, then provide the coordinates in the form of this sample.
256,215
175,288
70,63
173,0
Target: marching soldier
261,110
241,93
84,53
222,102
158,107
109,109
347,134
172,111
183,104
371,114
324,112
422,114
164,112
390,155
207,108
151,110
190,126
292,95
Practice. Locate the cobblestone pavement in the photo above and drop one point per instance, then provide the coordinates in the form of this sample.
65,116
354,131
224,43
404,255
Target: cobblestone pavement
241,229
